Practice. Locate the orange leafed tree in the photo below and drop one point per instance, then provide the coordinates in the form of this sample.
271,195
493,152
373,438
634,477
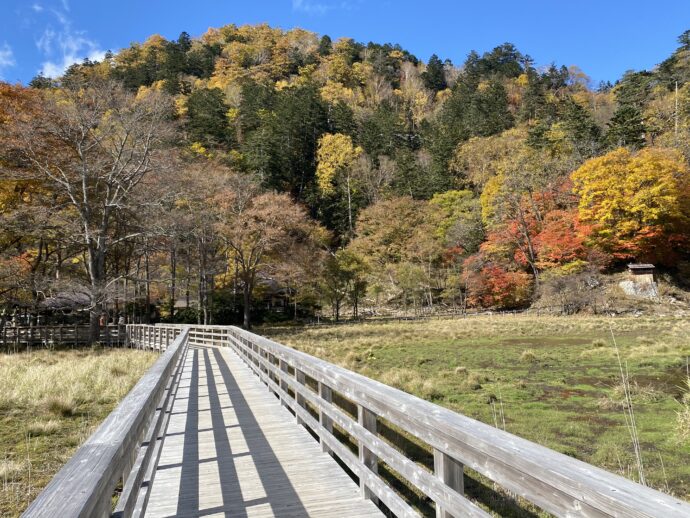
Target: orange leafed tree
561,240
490,284
261,232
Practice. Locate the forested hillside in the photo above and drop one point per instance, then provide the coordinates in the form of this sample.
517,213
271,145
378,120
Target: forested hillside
256,166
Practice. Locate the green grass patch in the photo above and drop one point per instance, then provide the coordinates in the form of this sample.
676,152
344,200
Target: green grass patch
557,378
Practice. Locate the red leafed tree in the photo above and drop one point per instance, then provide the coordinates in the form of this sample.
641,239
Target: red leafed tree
561,240
490,284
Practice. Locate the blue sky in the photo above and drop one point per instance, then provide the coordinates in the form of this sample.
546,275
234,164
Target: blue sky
604,38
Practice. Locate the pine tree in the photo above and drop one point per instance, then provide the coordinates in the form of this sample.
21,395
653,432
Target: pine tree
206,116
583,132
434,77
626,128
325,45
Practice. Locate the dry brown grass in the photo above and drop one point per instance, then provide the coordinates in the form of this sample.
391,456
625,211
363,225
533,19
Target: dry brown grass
50,402
528,356
43,428
10,469
599,342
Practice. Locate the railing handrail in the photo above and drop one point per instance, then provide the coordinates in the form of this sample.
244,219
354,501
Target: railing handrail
557,483
85,484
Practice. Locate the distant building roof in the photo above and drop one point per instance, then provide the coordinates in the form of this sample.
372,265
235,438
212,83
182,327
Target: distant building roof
641,266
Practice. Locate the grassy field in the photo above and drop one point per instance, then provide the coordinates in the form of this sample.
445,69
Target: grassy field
554,381
50,402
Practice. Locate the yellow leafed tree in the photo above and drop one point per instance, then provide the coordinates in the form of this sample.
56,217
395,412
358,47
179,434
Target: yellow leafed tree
336,155
637,203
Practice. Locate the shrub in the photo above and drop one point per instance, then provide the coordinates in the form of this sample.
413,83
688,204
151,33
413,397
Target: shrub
43,428
528,356
61,405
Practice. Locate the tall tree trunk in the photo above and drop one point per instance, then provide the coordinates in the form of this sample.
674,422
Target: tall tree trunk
349,206
188,278
202,316
247,298
173,280
97,274
210,282
147,271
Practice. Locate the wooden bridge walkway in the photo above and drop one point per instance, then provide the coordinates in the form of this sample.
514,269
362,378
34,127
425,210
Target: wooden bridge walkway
231,449
228,423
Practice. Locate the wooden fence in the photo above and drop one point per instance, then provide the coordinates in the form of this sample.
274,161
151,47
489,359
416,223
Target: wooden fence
17,338
343,408
125,448
556,483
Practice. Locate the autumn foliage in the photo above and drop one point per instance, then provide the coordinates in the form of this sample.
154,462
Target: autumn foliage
254,163
492,285
638,204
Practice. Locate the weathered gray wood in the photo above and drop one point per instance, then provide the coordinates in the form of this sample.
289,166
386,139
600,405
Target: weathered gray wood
450,471
415,474
49,336
284,397
84,486
247,456
557,483
147,459
327,395
299,377
367,420
389,497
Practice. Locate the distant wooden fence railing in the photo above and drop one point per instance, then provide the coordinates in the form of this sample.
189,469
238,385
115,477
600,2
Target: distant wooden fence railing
47,336
318,394
124,449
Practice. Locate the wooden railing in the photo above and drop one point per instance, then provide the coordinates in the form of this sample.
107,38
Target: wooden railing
310,387
125,448
318,393
47,336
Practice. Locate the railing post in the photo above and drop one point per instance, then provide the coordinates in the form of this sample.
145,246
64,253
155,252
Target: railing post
283,367
367,419
450,471
299,399
325,421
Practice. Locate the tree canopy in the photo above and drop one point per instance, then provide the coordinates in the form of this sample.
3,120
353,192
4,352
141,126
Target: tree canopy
221,177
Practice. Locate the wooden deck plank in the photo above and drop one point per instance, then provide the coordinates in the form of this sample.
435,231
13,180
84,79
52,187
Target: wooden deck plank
231,449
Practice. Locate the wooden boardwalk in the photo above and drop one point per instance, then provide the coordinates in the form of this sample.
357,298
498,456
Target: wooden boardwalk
231,449
203,434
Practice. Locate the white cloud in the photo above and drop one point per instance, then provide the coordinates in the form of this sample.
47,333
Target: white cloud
6,57
45,42
323,6
65,46
309,6
38,8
